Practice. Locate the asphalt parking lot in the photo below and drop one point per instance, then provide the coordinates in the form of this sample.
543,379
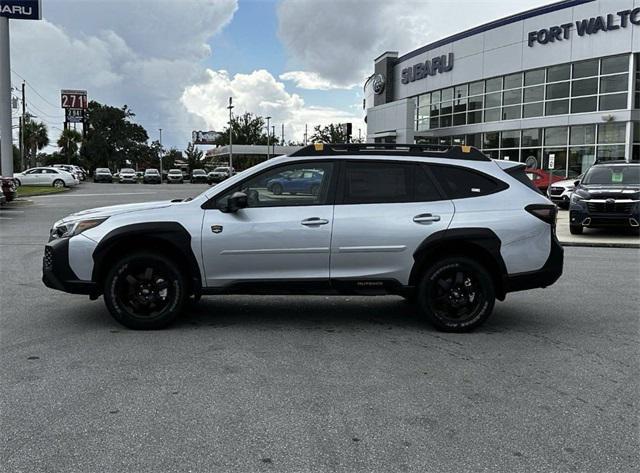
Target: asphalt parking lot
314,384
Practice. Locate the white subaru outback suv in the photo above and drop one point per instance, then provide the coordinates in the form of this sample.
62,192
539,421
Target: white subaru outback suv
449,229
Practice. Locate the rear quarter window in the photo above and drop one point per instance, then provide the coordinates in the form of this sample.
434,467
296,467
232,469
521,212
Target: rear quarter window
520,175
462,183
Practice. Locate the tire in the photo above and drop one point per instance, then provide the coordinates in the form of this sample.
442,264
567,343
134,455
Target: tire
162,282
59,183
456,294
17,181
576,229
276,189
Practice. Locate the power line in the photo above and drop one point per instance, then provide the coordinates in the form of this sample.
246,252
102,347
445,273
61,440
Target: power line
35,90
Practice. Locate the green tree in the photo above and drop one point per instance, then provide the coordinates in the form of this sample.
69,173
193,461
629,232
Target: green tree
36,137
169,158
194,156
68,143
246,129
331,133
111,137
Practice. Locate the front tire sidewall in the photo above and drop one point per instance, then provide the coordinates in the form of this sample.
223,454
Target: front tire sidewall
123,315
486,289
58,184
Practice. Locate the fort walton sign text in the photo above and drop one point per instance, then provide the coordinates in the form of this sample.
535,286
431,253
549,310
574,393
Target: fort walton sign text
587,26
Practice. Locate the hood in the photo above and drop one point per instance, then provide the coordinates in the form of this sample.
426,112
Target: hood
115,210
564,183
600,191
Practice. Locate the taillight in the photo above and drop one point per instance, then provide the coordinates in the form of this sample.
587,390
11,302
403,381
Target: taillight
545,212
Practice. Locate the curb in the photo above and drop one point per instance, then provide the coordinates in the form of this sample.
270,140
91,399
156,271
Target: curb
600,244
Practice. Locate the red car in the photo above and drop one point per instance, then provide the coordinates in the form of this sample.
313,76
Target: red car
8,188
542,179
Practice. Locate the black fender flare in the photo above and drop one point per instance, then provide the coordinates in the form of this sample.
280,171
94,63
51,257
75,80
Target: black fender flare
478,242
167,234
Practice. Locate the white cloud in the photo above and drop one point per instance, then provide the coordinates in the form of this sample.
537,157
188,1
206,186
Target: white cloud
312,81
260,93
341,39
140,53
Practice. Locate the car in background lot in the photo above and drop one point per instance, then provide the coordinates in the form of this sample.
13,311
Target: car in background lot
542,179
304,181
9,188
151,176
71,170
560,192
175,176
198,176
608,195
45,176
102,175
127,175
219,174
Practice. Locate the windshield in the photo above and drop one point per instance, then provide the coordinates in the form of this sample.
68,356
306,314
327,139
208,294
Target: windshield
151,171
220,169
175,171
103,170
128,170
612,176
198,171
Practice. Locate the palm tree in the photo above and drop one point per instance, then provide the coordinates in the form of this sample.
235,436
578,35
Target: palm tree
68,143
35,138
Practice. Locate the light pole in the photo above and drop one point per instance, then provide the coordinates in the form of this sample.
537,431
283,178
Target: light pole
230,107
268,118
273,132
160,153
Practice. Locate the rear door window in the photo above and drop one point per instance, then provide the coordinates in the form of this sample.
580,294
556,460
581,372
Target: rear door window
462,183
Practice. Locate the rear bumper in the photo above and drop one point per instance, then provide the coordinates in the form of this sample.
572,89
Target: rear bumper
56,272
543,277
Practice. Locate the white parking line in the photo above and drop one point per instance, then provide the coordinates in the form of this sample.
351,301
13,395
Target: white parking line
6,218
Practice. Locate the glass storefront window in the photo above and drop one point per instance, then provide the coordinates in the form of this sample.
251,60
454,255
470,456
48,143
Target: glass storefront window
510,154
492,100
434,122
445,120
582,135
584,104
474,140
614,83
534,77
611,65
491,140
580,159
492,115
585,69
459,119
531,157
493,84
557,107
584,87
555,136
558,73
510,139
476,88
460,91
534,94
609,153
533,110
476,103
513,81
511,113
447,94
558,91
457,140
435,96
531,137
611,133
613,102
460,105
560,160
512,97
446,108
474,117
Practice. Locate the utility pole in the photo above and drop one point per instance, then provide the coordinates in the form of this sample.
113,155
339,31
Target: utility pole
282,135
22,124
273,132
6,145
268,144
359,135
230,107
305,134
160,153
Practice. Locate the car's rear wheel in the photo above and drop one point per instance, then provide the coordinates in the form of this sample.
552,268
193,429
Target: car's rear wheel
576,229
276,189
145,291
59,183
456,294
17,181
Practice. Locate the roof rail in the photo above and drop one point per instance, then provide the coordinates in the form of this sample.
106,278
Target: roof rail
393,149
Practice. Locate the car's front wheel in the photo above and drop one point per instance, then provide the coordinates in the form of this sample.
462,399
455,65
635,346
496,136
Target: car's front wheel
456,294
576,229
145,291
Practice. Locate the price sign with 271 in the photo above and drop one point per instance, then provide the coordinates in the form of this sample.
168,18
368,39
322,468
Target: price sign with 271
74,99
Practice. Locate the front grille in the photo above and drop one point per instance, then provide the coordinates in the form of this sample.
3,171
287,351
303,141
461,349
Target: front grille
47,260
556,191
613,208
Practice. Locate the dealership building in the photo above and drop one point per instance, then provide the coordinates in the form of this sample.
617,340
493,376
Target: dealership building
556,87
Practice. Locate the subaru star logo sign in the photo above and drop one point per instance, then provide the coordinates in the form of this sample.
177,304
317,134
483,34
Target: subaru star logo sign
378,84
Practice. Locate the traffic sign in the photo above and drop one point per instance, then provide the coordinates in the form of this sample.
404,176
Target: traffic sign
74,99
552,161
21,9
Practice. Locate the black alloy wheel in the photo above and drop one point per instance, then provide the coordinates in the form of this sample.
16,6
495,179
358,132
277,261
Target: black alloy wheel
456,294
145,291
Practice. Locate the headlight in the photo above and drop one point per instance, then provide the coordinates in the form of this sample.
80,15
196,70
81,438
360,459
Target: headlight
69,229
575,197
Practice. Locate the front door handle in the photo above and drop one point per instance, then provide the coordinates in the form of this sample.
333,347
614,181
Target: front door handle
426,218
312,222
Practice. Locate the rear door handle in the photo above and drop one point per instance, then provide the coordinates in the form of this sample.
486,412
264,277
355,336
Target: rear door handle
426,218
312,222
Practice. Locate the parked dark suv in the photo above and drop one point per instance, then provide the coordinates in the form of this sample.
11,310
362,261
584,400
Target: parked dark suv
607,196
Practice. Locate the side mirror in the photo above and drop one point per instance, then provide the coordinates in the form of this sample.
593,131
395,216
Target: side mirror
575,183
237,201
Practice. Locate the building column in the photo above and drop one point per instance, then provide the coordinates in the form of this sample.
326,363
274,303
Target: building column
628,148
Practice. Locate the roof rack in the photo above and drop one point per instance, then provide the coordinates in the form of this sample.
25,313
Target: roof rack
392,149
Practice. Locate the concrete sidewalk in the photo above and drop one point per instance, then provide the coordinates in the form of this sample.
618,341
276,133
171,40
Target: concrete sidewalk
614,238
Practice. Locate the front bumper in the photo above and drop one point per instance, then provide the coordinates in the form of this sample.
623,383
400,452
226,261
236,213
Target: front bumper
581,215
56,272
543,277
